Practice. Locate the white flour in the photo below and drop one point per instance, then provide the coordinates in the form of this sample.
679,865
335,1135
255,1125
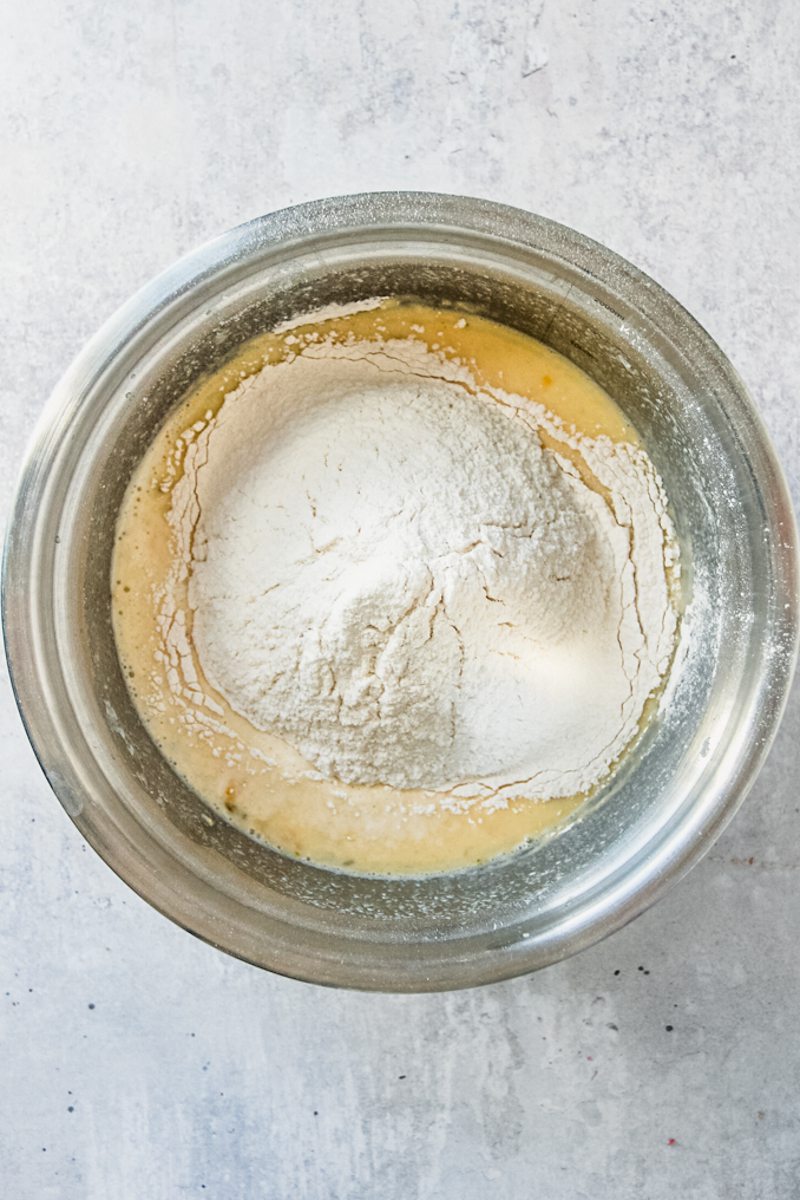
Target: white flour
388,571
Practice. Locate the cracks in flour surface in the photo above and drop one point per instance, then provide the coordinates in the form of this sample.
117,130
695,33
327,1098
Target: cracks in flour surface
459,676
492,599
199,711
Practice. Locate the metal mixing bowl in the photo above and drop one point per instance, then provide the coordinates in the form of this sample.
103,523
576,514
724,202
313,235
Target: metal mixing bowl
672,796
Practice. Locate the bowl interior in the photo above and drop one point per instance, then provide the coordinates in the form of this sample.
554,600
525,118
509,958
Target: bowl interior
680,783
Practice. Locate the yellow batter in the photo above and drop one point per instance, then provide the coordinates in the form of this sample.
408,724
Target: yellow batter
243,772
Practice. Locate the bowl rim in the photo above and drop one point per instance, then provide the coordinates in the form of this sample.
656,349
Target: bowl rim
420,211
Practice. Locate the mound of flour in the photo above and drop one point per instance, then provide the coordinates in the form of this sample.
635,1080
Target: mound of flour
390,572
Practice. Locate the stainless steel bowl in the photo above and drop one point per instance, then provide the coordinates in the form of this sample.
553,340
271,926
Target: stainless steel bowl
662,809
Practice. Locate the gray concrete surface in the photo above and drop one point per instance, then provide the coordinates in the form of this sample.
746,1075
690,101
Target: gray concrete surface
138,1063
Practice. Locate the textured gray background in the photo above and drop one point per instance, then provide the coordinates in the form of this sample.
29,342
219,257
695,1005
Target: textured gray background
137,1062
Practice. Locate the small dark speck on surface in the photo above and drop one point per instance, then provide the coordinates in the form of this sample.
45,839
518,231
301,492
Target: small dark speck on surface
672,1141
401,1076
70,1108
611,1025
617,971
669,1028
316,1114
91,1006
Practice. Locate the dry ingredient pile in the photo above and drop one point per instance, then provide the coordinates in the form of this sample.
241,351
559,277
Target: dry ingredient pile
414,582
